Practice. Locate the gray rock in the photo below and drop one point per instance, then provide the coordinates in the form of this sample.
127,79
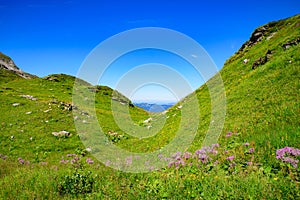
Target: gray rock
61,133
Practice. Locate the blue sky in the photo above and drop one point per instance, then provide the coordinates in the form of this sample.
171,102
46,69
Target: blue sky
46,37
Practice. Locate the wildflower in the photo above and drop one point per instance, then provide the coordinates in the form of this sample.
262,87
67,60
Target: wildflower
129,160
44,163
160,156
230,158
226,151
251,150
107,163
249,163
275,179
229,134
287,155
246,144
71,155
170,164
89,161
177,156
187,155
21,161
231,165
64,161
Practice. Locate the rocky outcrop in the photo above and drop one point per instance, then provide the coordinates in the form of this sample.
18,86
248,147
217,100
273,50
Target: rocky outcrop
7,63
262,60
291,43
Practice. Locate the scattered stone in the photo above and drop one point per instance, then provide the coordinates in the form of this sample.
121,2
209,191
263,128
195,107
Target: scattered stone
46,111
52,78
28,113
291,43
148,127
112,133
67,106
245,61
61,133
148,120
179,107
270,36
29,97
88,149
262,60
15,104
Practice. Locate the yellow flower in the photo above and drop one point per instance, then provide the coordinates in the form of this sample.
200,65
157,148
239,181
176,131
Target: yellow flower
275,179
216,177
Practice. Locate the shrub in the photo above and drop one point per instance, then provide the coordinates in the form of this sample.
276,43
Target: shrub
79,182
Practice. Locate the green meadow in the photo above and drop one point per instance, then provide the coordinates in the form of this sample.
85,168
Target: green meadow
256,155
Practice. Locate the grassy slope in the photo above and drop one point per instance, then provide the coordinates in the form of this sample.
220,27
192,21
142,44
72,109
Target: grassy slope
262,106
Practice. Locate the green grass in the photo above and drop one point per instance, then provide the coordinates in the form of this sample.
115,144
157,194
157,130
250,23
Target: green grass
262,108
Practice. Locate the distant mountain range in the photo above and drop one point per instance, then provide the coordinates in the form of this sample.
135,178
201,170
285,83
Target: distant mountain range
154,107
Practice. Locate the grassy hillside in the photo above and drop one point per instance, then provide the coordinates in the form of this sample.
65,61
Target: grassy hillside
262,88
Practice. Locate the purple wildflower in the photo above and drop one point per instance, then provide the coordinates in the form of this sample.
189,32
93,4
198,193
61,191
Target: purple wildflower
71,155
246,144
251,150
89,161
292,161
216,162
3,156
160,156
44,163
129,160
231,165
230,158
287,155
229,134
64,161
177,156
170,164
249,163
107,163
21,161
187,155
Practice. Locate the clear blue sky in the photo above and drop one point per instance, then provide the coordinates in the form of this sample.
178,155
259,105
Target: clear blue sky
45,37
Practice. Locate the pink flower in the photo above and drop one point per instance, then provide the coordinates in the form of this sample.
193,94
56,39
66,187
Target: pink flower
230,158
89,161
251,150
246,144
229,134
21,161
